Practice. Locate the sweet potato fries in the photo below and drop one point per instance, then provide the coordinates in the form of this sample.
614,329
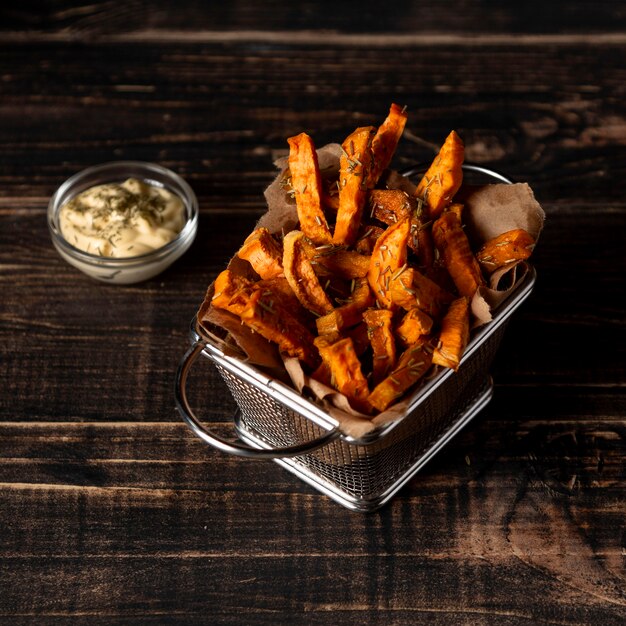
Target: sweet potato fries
374,285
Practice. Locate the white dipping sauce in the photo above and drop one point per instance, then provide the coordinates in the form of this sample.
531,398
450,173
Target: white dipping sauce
122,220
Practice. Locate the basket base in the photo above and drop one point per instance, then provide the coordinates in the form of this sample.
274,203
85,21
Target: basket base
302,470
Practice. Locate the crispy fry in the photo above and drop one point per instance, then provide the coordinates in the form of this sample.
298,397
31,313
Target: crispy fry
457,209
307,188
348,299
338,289
439,274
421,242
444,176
334,261
357,333
388,257
458,259
414,324
385,142
232,292
380,333
390,205
345,371
514,245
348,314
263,252
278,290
261,313
366,239
454,335
359,337
301,276
410,289
412,365
278,325
226,286
354,165
420,238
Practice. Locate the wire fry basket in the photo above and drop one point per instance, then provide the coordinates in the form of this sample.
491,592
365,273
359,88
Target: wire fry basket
274,421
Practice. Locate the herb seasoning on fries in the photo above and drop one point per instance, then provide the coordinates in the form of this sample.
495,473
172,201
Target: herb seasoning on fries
374,285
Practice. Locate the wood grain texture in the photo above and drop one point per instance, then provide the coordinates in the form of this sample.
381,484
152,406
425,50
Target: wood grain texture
209,108
111,511
76,17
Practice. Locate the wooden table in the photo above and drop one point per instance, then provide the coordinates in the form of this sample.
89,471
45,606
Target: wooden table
111,511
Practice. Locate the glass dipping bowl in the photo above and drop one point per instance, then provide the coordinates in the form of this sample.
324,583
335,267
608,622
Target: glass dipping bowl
133,269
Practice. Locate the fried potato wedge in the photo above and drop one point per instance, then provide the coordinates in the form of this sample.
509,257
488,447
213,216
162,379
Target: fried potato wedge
345,371
350,313
307,188
421,241
410,288
444,176
390,205
385,142
375,285
354,166
260,312
454,335
359,337
301,276
366,239
263,252
412,365
228,285
514,245
414,325
457,209
331,260
389,255
382,340
454,247
358,334
278,290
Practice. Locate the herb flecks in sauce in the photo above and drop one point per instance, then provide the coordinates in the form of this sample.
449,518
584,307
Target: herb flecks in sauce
122,220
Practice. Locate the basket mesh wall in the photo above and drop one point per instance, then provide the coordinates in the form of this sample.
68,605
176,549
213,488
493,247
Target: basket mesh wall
364,472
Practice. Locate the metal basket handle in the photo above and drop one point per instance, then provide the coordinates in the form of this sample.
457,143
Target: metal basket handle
238,449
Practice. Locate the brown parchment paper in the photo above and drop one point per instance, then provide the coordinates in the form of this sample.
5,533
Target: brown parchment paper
490,210
282,215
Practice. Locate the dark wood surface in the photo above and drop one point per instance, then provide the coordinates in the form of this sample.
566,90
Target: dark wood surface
111,511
